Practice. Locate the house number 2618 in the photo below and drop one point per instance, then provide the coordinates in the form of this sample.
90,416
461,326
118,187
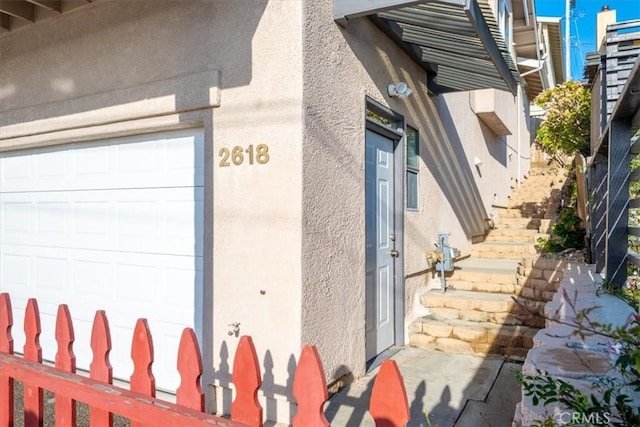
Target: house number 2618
236,155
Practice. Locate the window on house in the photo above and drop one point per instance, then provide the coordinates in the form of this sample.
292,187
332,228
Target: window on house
413,146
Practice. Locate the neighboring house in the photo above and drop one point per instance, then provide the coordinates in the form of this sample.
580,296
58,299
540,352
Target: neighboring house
606,72
544,74
245,168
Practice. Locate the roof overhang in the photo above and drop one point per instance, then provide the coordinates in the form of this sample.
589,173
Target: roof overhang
15,14
457,42
552,31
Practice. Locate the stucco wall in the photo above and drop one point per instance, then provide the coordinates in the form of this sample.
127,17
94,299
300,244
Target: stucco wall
341,67
233,68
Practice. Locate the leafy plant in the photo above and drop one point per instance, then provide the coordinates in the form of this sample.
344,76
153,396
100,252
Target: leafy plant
567,127
566,233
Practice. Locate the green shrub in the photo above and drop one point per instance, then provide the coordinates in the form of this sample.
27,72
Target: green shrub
566,233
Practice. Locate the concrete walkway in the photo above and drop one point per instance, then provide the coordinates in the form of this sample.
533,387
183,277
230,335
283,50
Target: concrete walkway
453,389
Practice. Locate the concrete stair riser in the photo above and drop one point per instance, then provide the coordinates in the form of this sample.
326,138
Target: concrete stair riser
483,307
462,285
498,255
522,212
480,338
510,239
481,277
512,232
518,223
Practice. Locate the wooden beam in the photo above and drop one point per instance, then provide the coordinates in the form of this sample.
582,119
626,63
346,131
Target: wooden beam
5,22
18,9
55,5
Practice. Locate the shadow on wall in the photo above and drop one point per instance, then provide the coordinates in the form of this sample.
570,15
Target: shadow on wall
112,54
270,389
442,150
445,157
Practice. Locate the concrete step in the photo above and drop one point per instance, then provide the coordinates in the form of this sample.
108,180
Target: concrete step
516,236
522,223
521,212
502,250
499,308
478,338
484,275
512,232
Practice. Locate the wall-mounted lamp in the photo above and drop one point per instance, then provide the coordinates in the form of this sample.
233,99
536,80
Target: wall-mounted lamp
400,90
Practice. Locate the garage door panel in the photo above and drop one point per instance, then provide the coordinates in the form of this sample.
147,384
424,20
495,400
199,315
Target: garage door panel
52,275
112,225
51,218
90,162
16,171
167,160
16,216
52,168
15,271
92,276
150,220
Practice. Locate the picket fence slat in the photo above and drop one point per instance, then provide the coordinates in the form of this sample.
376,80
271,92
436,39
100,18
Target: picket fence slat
142,379
100,368
6,346
33,401
310,390
389,405
65,408
189,394
247,380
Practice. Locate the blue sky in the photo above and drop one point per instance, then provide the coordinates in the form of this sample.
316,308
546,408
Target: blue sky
583,23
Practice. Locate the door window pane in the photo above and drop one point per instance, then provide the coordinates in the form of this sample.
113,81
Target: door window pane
412,189
413,146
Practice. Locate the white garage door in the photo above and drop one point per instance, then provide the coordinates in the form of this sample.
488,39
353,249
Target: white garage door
113,225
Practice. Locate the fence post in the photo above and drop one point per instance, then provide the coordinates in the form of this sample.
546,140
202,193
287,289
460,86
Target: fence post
65,408
6,346
246,378
310,390
100,368
389,406
32,394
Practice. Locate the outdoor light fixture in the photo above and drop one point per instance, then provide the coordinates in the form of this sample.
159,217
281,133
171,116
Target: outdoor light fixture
400,90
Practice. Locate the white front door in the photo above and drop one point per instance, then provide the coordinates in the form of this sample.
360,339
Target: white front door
379,200
112,225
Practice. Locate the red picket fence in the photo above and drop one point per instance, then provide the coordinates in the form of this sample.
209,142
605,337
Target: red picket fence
388,406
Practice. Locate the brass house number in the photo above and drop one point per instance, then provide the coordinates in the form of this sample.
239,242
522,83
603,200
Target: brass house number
237,155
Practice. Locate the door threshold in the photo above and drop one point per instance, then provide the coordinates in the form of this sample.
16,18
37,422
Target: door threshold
376,361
